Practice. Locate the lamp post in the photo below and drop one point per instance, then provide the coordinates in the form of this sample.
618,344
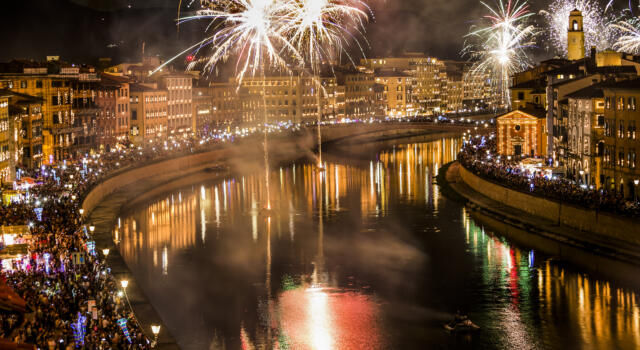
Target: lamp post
92,228
81,211
581,176
124,284
155,329
105,251
635,189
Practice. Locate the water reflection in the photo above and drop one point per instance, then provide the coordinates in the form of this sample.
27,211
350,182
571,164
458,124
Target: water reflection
362,255
570,306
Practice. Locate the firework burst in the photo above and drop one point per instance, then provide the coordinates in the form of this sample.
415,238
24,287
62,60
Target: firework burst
320,29
500,46
597,29
250,30
629,39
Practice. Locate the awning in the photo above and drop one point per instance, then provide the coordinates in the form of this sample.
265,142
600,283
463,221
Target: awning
11,301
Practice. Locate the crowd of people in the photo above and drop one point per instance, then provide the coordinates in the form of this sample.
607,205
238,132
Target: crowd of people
72,298
479,155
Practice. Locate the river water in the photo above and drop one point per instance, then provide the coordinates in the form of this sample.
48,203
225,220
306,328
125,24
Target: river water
365,255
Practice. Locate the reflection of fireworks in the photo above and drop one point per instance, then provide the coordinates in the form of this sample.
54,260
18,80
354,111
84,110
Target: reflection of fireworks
596,20
629,40
500,47
250,29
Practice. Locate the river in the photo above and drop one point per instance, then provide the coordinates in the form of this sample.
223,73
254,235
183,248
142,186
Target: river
365,255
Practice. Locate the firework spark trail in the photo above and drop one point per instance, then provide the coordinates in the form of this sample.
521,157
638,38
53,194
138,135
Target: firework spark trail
596,24
320,29
500,47
251,30
629,40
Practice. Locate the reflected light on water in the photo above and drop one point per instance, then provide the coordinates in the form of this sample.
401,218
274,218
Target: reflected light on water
521,298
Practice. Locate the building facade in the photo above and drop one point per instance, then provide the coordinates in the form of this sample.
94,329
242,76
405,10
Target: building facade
621,143
149,114
520,133
113,102
180,102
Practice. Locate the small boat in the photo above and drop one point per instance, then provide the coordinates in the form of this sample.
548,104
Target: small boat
465,326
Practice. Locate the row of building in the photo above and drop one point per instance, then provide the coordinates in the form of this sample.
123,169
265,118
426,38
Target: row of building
580,113
53,110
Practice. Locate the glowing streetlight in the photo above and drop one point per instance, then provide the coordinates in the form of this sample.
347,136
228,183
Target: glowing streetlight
155,329
81,211
105,251
92,228
124,284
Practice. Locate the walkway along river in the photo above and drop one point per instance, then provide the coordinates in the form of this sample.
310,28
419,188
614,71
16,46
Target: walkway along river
365,255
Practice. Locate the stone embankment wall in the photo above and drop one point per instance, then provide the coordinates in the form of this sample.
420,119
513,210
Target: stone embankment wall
580,219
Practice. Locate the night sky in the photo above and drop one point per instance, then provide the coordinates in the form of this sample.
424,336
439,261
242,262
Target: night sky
81,30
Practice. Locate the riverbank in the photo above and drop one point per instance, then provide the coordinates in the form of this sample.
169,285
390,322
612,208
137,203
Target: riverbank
547,225
105,202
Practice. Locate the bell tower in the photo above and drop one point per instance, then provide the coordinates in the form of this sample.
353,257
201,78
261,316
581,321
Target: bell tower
575,36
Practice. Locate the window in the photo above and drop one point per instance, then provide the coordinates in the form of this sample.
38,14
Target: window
620,104
134,115
23,84
39,84
631,103
621,130
600,120
574,25
520,95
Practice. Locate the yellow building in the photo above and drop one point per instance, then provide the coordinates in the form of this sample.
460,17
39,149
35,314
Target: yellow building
621,143
575,39
529,93
520,133
20,125
149,118
396,97
585,135
5,137
56,92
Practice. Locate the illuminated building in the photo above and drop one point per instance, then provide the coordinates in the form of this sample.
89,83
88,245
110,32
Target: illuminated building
396,96
333,99
359,94
575,39
440,86
203,110
148,114
20,133
228,102
86,112
621,143
6,172
290,98
585,131
50,81
179,101
521,132
113,100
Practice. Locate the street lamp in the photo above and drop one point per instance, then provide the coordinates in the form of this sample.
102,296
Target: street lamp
124,284
105,251
81,211
635,188
155,329
92,228
581,176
